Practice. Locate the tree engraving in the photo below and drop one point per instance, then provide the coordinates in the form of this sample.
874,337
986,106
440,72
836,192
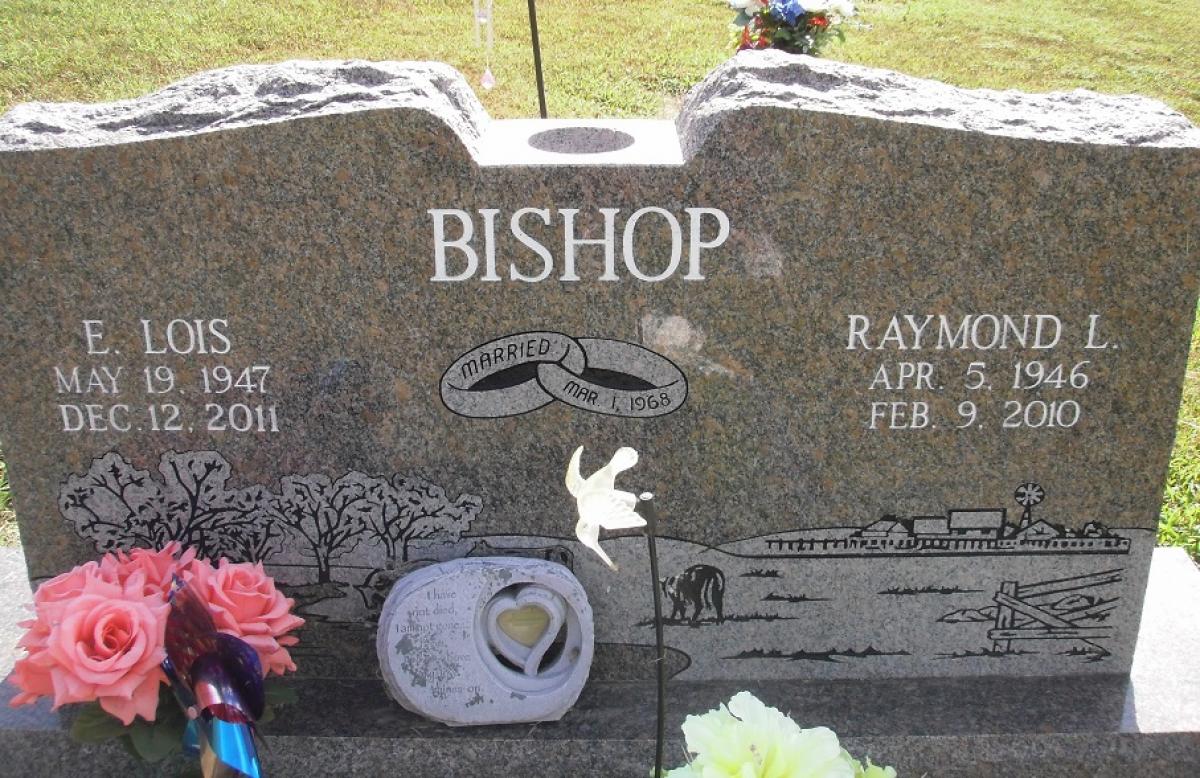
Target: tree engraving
328,517
411,508
204,514
117,506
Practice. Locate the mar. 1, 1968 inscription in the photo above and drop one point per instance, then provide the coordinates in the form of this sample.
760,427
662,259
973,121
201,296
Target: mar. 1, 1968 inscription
520,373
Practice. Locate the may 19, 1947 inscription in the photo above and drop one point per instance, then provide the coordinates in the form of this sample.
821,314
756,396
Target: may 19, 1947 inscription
983,381
110,393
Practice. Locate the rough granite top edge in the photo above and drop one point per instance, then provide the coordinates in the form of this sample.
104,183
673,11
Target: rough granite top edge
774,79
248,95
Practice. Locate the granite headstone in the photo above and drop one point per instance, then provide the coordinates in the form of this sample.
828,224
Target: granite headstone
903,360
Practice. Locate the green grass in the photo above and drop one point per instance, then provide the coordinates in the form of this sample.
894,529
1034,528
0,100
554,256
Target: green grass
609,58
615,58
1180,523
8,519
1150,47
602,57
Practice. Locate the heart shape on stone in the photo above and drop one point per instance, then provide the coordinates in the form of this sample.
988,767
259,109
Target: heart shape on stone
526,624
523,626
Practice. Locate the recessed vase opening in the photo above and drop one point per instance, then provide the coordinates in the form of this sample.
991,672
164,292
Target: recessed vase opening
581,140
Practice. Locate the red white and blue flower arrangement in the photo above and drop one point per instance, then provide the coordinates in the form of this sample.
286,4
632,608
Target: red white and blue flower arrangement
795,26
127,633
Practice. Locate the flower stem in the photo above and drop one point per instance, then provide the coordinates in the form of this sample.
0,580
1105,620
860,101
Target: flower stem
537,58
649,512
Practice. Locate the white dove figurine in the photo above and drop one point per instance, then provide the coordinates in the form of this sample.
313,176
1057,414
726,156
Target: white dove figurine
601,505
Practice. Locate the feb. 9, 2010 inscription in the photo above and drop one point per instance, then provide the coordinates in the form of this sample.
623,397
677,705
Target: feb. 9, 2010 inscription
995,389
127,388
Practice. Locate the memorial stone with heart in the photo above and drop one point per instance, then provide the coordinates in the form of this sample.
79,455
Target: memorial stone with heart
902,361
486,641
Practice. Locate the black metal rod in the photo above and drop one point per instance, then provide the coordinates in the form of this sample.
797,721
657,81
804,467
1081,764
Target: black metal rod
649,512
537,57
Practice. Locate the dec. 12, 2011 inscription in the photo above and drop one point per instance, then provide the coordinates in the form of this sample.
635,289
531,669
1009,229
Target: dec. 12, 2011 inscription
107,391
1015,393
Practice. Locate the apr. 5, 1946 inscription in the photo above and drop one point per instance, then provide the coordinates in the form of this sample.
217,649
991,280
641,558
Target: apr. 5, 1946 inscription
1013,393
215,392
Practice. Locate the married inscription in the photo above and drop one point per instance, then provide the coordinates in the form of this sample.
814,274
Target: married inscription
523,372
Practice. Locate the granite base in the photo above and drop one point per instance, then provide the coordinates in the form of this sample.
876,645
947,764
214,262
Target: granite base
1146,724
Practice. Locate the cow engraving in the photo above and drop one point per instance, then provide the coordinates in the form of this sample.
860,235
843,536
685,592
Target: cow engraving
697,588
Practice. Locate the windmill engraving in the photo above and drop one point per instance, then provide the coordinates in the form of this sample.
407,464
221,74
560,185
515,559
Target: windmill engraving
1028,495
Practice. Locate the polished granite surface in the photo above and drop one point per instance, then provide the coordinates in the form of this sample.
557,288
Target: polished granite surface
1147,724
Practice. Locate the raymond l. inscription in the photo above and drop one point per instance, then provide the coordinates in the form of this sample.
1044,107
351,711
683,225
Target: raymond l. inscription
520,373
1063,378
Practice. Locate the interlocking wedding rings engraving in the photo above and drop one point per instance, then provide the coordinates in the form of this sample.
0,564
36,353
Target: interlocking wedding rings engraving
523,372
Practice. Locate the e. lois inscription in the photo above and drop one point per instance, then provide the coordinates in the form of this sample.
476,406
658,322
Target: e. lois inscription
231,396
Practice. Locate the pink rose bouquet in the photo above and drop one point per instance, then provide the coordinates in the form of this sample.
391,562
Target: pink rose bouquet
99,633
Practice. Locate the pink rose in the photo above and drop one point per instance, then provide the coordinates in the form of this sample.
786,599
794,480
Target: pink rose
244,603
98,630
51,596
159,566
104,643
196,573
72,583
32,679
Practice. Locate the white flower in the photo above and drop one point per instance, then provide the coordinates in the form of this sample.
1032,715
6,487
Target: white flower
751,7
601,505
747,739
843,8
872,770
